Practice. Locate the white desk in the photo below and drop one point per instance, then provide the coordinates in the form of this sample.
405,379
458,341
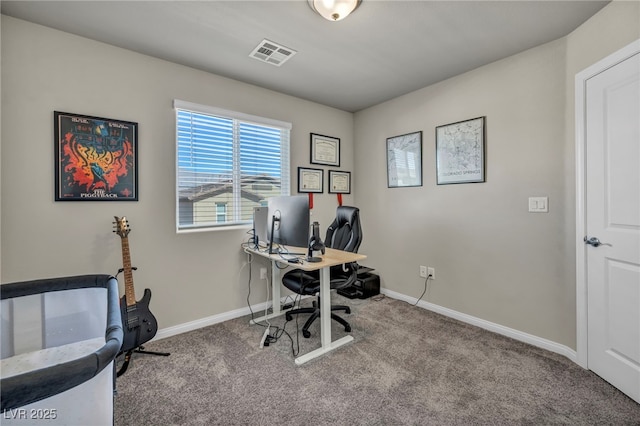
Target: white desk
331,258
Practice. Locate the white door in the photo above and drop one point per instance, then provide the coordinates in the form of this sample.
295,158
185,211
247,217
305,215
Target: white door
612,136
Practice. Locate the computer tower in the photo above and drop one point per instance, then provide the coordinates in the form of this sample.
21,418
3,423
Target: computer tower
366,285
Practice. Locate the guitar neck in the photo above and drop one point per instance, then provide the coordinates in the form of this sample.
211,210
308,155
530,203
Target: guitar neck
129,289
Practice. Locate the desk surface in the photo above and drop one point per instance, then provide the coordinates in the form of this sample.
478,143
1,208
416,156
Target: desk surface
331,257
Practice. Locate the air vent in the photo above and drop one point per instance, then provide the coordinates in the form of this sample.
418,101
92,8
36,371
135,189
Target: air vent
272,53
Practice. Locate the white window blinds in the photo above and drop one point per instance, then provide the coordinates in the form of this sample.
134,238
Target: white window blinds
227,164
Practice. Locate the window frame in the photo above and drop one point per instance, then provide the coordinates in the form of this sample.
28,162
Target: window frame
238,118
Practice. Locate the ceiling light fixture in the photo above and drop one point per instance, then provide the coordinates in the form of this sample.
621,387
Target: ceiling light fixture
334,10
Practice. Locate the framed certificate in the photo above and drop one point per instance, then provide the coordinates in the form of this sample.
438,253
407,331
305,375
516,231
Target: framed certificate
310,180
339,182
325,150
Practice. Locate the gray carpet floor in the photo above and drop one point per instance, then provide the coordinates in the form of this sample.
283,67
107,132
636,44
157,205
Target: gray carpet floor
406,366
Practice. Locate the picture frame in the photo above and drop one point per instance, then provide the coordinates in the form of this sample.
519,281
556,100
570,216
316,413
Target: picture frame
96,159
460,152
404,160
310,180
325,150
339,182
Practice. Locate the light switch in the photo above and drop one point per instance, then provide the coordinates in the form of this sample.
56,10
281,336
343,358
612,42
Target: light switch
539,204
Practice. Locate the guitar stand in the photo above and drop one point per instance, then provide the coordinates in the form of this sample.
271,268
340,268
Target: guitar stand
138,350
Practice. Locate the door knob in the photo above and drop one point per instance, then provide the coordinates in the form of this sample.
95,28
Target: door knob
594,241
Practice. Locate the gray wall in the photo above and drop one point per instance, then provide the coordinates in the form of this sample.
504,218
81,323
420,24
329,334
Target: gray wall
493,259
192,276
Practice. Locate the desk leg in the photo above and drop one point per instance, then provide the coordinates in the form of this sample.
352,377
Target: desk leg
275,288
325,322
325,307
275,295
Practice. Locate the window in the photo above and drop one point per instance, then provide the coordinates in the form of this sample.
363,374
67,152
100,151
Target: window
221,211
227,164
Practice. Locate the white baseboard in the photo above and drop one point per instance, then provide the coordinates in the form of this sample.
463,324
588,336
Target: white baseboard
205,322
257,309
487,325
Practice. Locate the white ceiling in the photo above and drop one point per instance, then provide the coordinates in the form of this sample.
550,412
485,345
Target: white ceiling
383,50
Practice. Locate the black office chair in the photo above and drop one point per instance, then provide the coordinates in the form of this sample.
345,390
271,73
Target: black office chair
345,234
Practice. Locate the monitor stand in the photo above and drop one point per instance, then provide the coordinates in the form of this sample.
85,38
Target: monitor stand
274,219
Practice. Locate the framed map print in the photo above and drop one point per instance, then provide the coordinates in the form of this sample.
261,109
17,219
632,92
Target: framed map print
404,160
460,152
96,159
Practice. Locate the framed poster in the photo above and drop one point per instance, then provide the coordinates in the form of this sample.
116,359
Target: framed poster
325,150
96,159
460,152
404,160
339,182
310,180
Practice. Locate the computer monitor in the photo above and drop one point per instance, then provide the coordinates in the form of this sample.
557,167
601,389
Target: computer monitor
288,221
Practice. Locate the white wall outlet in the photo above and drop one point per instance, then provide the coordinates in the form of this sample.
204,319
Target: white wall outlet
423,271
431,272
263,273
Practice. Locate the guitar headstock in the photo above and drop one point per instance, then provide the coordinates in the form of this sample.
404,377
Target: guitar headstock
121,226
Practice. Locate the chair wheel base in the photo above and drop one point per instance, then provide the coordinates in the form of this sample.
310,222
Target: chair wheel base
306,334
347,329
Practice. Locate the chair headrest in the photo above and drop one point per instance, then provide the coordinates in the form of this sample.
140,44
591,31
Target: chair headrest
346,215
345,232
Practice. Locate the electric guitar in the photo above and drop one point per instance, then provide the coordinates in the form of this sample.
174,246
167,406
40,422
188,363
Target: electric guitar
138,323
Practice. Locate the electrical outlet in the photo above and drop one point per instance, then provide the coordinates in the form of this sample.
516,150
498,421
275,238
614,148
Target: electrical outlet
431,272
423,271
263,273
